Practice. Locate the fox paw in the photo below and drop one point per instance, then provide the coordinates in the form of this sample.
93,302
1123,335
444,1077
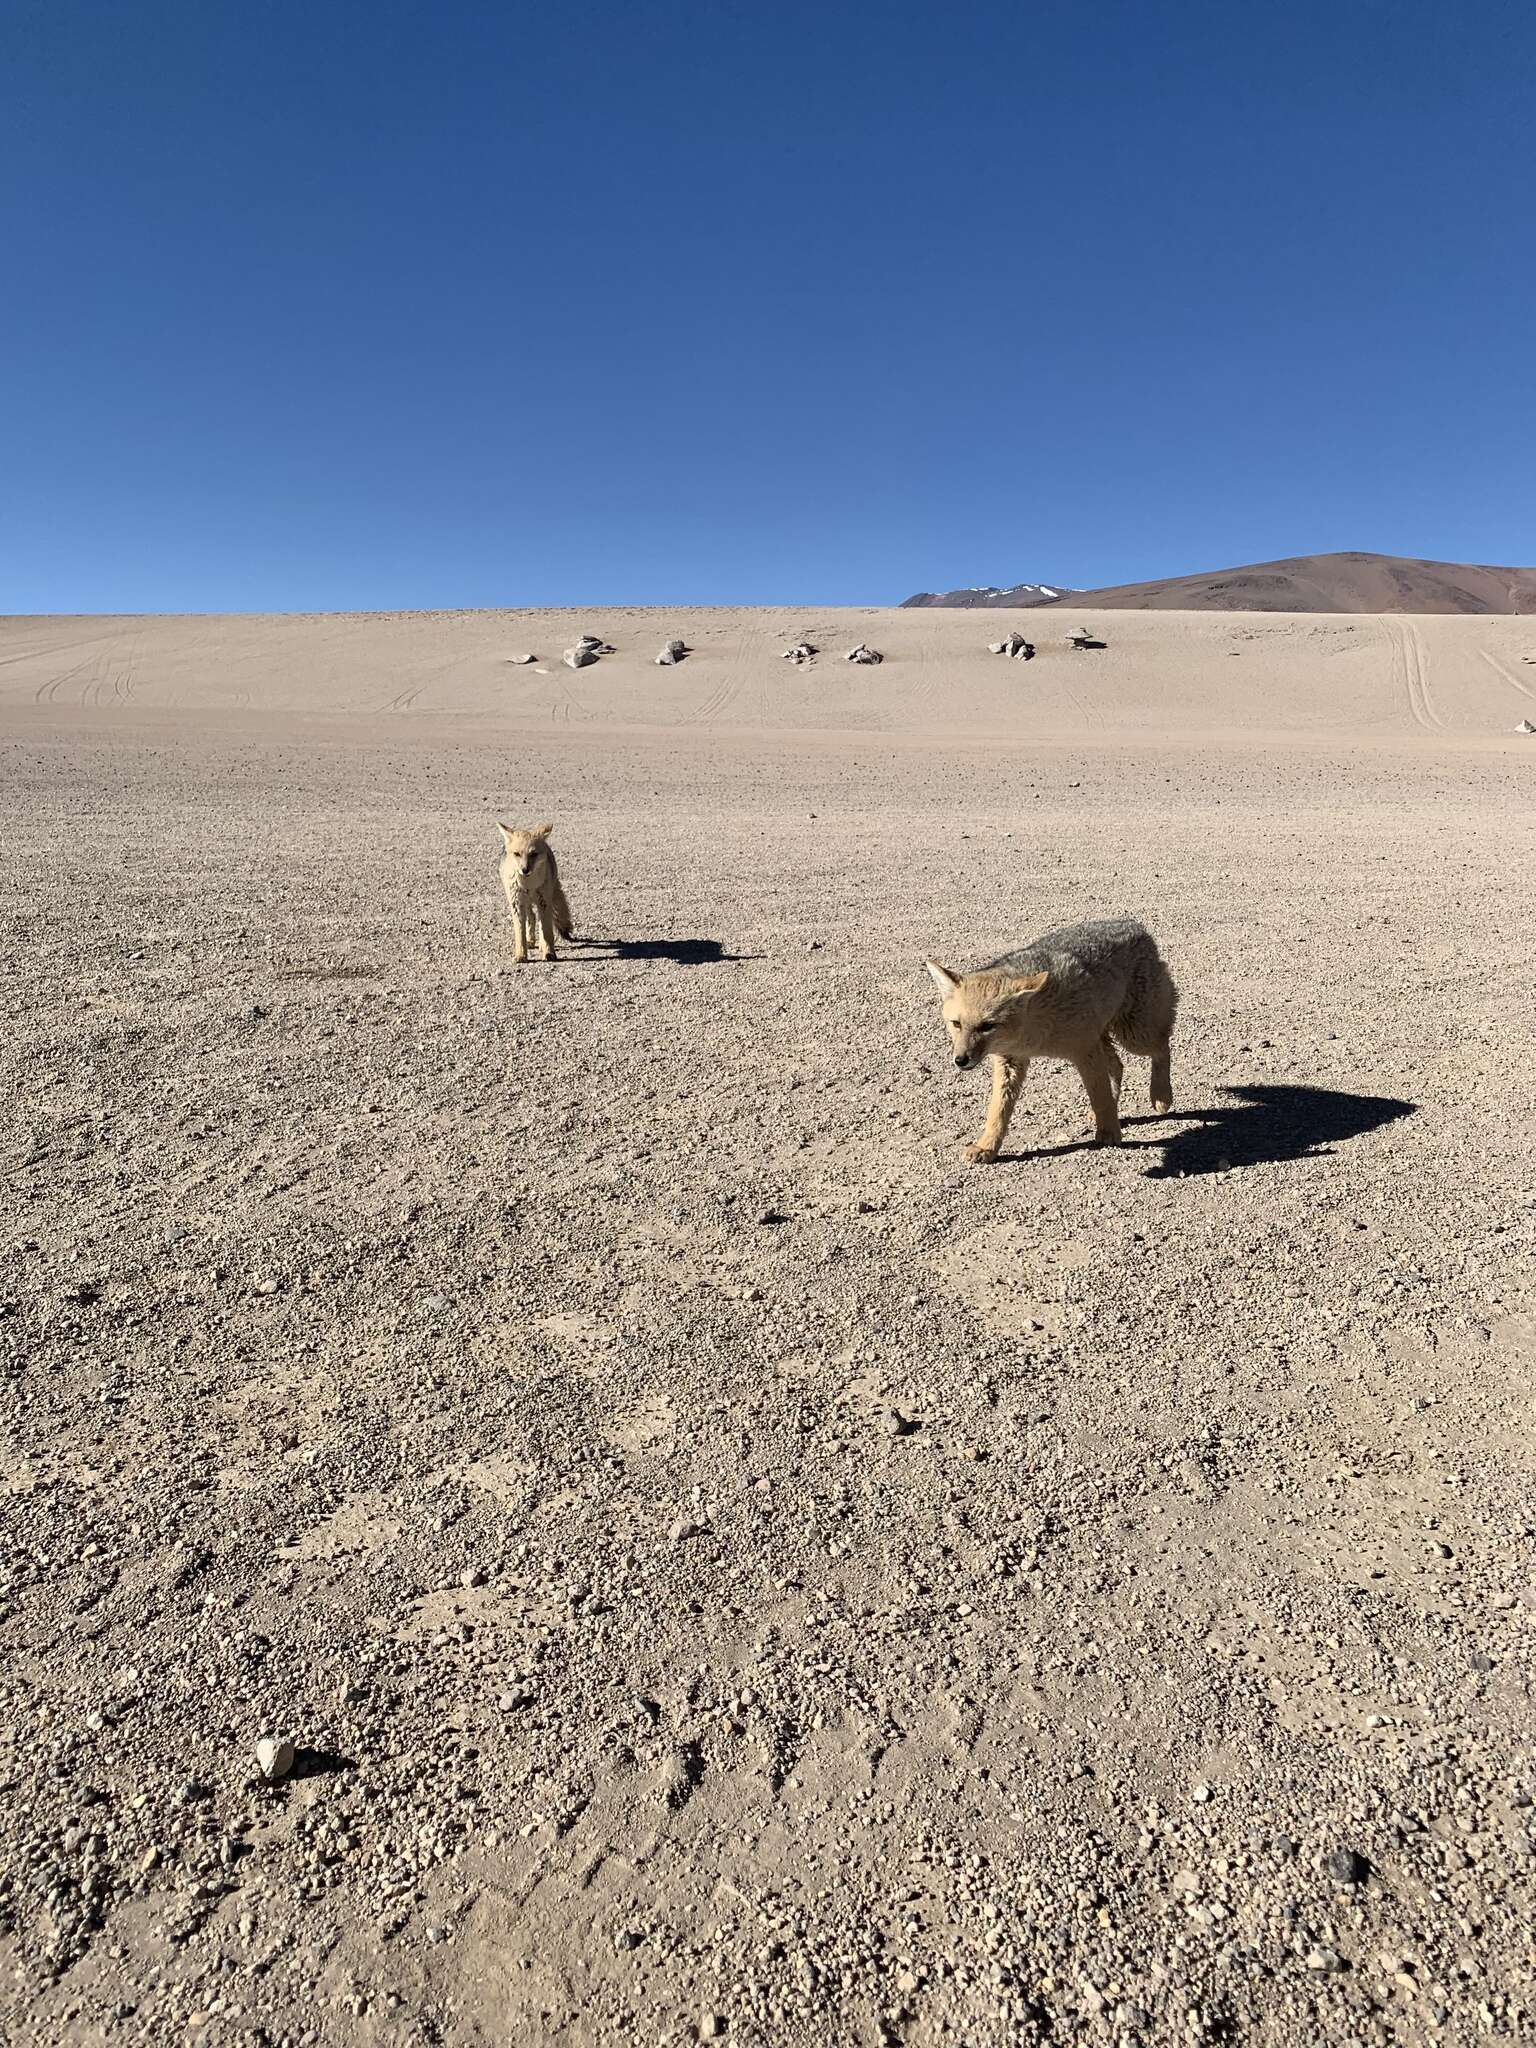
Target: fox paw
1107,1138
981,1155
1160,1108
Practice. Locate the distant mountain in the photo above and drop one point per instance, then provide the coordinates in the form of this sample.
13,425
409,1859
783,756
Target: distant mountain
1016,595
1300,583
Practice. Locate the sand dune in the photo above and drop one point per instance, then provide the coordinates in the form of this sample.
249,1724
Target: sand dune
1181,674
730,1570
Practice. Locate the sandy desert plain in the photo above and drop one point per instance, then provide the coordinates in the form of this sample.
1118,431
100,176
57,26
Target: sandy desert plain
730,1570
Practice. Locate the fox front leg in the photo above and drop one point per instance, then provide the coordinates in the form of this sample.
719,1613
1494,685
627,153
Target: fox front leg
1007,1085
520,922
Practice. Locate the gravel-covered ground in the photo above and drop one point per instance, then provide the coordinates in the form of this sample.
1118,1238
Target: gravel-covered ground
730,1570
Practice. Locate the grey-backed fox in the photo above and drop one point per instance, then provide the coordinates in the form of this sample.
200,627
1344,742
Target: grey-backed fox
1072,995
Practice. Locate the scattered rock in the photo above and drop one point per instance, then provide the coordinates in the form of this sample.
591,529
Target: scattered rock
1346,1866
863,654
579,657
1324,1961
674,652
1014,645
276,1757
521,660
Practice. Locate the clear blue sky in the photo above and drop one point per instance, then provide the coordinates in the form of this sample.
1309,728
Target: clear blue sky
379,305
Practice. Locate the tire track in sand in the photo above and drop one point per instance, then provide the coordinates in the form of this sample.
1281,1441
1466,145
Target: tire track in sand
42,653
1410,668
719,700
405,700
46,692
1508,675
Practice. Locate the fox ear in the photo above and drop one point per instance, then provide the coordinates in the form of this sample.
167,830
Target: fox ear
542,831
504,830
1026,985
947,982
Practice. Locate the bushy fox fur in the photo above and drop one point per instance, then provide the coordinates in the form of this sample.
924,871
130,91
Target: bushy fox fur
534,895
1072,995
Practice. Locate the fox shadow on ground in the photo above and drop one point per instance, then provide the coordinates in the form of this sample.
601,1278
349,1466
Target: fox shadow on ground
681,952
1256,1126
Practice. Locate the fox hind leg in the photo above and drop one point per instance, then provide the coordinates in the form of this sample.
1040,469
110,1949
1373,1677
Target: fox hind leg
1116,1070
1162,1078
1095,1071
562,909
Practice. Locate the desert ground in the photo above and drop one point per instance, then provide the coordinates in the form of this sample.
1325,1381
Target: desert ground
729,1569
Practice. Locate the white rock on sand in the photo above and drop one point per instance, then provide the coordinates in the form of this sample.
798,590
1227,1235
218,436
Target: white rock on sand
1015,646
276,1756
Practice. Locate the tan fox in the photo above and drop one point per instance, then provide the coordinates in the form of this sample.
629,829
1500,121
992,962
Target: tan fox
534,895
1070,996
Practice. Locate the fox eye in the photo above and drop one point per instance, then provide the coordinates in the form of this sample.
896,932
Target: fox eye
981,1028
